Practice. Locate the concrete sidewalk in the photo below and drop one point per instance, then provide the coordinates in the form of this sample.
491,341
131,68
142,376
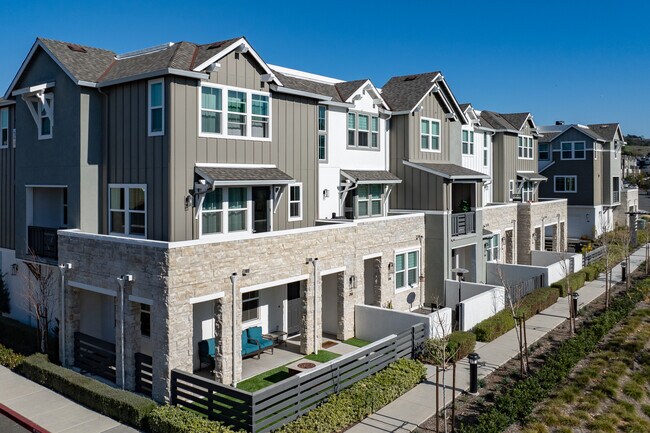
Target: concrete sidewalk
50,410
418,405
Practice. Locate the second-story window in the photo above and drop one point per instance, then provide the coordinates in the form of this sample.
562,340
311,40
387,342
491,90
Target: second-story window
525,147
430,135
369,200
225,210
247,113
565,183
573,149
4,127
363,131
486,149
295,202
468,142
156,107
127,210
322,133
542,150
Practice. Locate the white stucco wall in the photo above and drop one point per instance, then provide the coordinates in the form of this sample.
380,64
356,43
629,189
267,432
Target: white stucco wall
468,290
482,306
18,302
509,275
373,323
589,221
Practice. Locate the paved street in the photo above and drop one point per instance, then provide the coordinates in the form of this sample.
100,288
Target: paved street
8,426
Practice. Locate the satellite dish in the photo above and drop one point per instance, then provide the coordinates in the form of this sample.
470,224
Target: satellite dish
410,298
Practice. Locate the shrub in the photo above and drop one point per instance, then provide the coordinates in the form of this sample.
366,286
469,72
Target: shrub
591,272
502,322
459,344
361,399
172,419
9,358
121,405
576,280
519,401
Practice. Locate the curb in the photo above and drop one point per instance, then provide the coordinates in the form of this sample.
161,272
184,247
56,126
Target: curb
21,420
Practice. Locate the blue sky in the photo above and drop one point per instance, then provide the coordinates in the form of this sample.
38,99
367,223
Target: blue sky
578,61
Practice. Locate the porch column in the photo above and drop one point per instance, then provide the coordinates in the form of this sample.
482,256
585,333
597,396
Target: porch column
556,243
223,342
131,342
311,324
340,307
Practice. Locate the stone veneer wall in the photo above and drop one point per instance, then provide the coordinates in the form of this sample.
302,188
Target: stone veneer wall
499,218
531,216
170,274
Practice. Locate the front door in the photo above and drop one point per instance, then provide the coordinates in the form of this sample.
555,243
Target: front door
261,196
293,308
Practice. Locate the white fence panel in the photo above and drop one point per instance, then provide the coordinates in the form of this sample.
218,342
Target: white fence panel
374,323
481,307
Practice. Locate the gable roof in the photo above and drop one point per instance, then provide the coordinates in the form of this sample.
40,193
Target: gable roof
598,131
95,67
512,122
518,120
347,88
447,170
606,130
309,86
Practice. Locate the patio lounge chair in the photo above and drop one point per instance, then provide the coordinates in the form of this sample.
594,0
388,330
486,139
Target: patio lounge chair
252,342
206,352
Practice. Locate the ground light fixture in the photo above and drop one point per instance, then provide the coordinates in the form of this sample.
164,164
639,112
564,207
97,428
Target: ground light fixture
574,297
473,372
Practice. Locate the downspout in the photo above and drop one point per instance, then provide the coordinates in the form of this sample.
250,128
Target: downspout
315,263
233,281
62,268
122,281
421,276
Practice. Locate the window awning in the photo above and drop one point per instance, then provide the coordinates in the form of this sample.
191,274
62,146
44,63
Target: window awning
243,175
362,177
531,177
452,172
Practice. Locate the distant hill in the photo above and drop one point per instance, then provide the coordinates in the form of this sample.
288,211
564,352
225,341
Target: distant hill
637,140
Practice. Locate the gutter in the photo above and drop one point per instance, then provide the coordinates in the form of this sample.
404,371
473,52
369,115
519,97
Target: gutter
289,91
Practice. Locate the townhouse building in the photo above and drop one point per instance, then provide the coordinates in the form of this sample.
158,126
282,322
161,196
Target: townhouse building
583,165
191,192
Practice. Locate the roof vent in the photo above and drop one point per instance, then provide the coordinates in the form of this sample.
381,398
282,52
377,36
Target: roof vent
216,45
77,48
144,51
559,122
410,78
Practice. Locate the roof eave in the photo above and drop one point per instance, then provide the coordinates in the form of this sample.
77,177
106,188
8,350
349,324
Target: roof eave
151,74
290,91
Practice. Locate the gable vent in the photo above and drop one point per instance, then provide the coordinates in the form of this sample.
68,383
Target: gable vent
77,48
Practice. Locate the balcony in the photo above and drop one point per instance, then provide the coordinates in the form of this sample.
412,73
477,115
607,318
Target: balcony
43,242
463,223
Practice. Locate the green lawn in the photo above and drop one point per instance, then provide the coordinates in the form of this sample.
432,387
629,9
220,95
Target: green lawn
265,379
356,342
323,356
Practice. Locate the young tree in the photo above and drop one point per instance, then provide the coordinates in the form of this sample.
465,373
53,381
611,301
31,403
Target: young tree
41,282
566,271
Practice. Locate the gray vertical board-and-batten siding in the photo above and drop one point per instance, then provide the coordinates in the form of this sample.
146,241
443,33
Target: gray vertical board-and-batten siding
7,197
506,163
292,147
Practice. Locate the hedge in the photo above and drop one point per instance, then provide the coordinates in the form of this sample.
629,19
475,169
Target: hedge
591,272
459,343
9,358
120,405
519,401
502,322
22,338
172,419
361,399
576,280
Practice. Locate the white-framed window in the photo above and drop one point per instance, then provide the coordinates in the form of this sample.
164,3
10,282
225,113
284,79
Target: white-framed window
322,133
486,149
363,131
156,107
430,134
233,112
525,147
406,270
225,210
4,128
543,152
511,189
369,200
565,183
295,202
127,213
572,150
250,303
492,248
527,191
145,320
468,142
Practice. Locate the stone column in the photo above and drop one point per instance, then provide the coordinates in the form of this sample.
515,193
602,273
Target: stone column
340,306
556,243
223,342
307,316
72,318
131,341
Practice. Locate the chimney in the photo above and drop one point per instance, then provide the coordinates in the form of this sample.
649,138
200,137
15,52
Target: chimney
559,122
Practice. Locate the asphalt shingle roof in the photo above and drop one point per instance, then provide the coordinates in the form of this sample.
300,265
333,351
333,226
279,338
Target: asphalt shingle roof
347,88
372,176
516,119
451,171
403,93
605,130
309,86
83,62
243,174
512,121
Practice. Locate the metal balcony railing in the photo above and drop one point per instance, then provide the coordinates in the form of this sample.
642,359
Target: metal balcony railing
463,223
43,242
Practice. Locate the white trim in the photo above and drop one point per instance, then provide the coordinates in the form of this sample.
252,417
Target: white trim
126,210
230,49
140,300
573,151
46,186
524,138
405,252
430,135
33,89
333,271
372,256
151,133
275,283
224,113
300,202
225,232
205,298
95,289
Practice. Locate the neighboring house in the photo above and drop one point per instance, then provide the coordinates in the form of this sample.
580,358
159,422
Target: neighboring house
476,148
425,153
182,183
516,222
629,166
583,165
